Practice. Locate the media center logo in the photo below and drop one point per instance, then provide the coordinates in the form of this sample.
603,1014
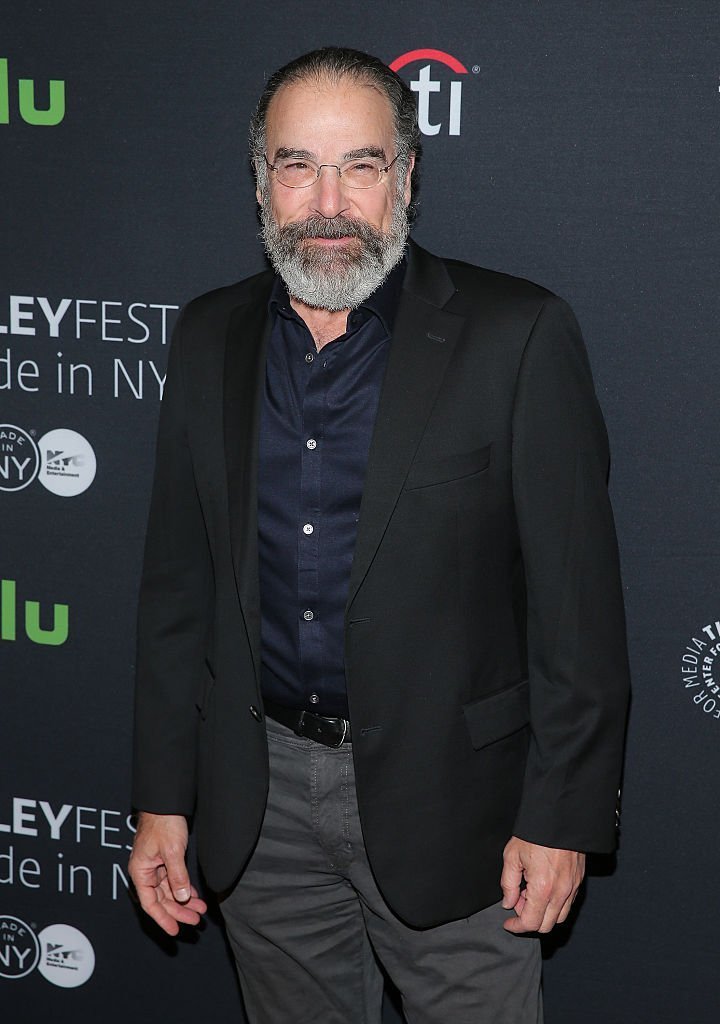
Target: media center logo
62,954
62,460
699,667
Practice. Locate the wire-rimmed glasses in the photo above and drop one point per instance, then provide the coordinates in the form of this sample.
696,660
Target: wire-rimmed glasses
364,172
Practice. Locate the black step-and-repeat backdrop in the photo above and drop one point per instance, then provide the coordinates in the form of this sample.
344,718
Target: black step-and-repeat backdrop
574,144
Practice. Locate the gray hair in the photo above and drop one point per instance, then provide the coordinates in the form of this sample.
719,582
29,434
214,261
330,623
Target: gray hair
333,63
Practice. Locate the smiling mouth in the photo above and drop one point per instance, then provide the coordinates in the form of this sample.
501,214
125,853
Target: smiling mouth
343,240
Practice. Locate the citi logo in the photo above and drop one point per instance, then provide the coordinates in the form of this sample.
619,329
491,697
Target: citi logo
52,114
425,86
54,636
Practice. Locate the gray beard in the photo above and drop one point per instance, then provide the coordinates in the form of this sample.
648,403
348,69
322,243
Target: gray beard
327,278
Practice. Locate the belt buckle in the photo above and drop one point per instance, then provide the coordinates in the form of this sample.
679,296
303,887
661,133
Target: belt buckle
344,734
321,720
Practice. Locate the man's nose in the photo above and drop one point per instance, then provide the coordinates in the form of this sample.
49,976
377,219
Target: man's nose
330,197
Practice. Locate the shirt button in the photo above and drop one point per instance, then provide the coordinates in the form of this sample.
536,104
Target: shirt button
311,443
309,357
314,699
257,715
308,615
308,528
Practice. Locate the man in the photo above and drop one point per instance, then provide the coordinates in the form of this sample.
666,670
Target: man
381,636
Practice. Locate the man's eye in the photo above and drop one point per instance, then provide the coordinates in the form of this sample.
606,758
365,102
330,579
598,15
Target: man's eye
362,167
295,166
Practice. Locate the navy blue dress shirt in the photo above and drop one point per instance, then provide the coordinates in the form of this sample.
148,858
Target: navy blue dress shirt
316,423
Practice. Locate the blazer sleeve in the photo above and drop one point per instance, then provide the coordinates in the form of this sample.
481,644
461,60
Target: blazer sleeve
174,614
577,655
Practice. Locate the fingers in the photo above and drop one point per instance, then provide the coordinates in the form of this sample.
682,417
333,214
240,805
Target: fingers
158,901
540,912
157,868
567,907
155,904
178,878
553,878
512,876
184,912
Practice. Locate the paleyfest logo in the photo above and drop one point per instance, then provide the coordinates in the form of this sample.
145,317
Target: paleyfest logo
425,85
62,460
699,669
61,953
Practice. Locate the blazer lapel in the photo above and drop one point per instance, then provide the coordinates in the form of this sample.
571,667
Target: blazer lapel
424,335
244,375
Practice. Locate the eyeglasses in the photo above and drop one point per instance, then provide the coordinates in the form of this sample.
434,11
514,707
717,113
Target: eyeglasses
364,173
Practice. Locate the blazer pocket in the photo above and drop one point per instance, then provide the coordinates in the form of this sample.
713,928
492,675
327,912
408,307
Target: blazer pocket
427,472
206,688
493,718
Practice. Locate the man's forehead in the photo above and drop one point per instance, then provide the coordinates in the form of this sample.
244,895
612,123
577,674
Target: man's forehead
316,94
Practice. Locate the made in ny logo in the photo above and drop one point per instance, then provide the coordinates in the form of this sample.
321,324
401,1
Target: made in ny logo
51,114
426,85
61,953
62,460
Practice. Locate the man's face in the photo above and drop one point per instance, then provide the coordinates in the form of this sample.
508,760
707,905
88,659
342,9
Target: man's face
333,245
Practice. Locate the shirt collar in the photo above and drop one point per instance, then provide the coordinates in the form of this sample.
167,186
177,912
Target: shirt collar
383,302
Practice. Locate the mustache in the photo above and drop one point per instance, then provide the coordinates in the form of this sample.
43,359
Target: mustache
322,227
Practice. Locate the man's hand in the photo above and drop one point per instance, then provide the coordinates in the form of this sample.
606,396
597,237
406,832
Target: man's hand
552,880
157,867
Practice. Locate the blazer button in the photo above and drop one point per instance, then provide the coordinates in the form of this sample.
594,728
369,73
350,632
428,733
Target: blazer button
257,715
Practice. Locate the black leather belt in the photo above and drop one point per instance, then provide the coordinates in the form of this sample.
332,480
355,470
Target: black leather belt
333,732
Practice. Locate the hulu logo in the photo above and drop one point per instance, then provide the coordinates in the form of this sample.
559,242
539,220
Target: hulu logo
53,637
52,114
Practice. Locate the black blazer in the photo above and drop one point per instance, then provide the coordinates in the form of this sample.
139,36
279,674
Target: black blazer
485,644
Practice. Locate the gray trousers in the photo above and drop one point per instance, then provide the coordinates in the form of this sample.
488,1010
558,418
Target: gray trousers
309,928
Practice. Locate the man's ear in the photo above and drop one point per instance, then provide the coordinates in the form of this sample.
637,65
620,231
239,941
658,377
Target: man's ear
408,177
258,193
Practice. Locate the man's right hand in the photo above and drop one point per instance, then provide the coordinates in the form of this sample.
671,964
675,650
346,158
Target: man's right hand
157,868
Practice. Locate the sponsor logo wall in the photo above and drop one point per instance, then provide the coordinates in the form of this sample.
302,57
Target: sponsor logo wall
576,145
61,953
62,460
85,347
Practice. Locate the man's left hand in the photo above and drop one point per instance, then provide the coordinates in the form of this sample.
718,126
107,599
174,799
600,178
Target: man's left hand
552,878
